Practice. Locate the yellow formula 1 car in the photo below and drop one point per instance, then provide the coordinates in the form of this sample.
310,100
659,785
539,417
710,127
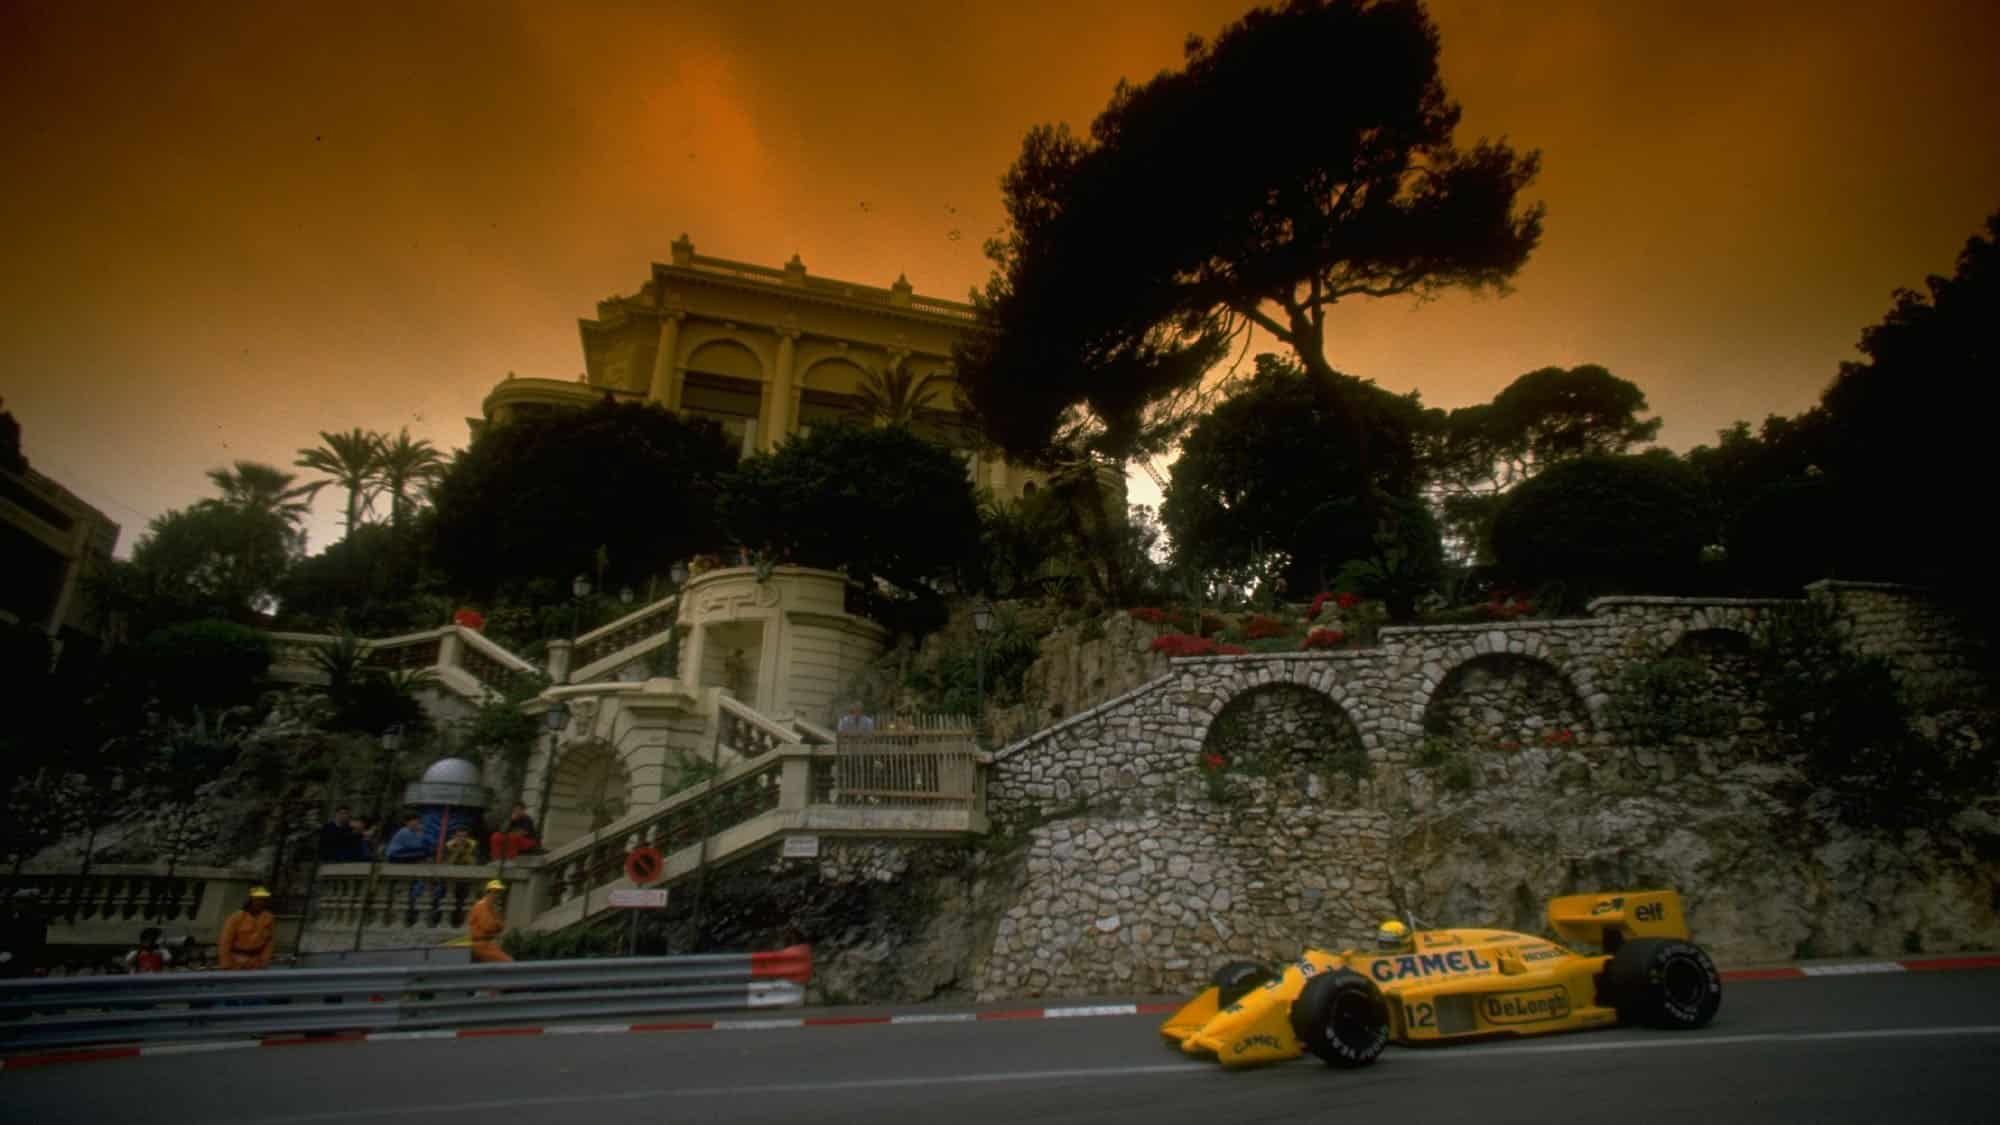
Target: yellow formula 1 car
1440,986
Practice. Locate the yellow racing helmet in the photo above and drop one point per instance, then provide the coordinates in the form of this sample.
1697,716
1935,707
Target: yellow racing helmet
1392,935
495,885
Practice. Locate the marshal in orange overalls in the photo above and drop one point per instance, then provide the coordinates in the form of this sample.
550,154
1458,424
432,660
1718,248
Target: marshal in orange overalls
486,925
249,935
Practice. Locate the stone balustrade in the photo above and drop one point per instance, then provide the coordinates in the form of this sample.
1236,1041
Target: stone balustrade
404,905
603,650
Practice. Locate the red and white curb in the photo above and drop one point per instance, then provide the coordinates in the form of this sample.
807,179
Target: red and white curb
1864,968
1080,1011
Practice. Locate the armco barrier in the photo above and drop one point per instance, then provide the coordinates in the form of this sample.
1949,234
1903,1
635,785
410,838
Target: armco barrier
167,1006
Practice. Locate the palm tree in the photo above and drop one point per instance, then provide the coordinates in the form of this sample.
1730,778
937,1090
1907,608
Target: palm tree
895,395
353,461
267,511
406,467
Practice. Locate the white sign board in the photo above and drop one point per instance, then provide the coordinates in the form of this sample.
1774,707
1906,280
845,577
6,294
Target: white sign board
640,898
801,847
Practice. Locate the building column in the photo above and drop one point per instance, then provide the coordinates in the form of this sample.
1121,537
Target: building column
666,386
778,413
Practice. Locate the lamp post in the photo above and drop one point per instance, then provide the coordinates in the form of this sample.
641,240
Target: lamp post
982,623
392,741
579,590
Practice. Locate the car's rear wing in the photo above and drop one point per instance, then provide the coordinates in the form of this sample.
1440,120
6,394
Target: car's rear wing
1609,918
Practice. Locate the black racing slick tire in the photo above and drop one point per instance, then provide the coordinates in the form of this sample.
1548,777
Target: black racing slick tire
1342,1019
1664,983
1238,979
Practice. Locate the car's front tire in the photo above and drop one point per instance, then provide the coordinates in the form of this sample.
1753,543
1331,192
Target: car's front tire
1342,1019
1238,979
1664,983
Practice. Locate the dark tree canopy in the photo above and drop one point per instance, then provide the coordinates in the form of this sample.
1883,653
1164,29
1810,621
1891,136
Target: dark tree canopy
1604,525
1545,417
1907,427
1263,476
879,503
1303,157
538,498
1884,460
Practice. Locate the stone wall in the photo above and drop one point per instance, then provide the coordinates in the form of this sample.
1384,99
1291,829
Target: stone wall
1485,772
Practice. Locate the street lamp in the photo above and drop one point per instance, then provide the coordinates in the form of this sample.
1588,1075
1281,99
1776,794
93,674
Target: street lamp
579,589
625,595
679,573
392,741
982,623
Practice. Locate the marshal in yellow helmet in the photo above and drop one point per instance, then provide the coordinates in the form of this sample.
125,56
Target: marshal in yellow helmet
259,892
495,885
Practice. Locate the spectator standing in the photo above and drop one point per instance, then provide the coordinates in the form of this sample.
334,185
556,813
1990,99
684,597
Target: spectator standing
249,935
338,841
855,722
364,840
488,922
408,845
519,835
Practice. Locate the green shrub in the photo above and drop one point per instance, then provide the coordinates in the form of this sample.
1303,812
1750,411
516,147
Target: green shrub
1603,525
1658,701
1847,718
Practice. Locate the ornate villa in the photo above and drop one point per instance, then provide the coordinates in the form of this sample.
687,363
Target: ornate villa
765,352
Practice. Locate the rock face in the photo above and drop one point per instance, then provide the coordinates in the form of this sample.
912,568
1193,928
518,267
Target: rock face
1079,667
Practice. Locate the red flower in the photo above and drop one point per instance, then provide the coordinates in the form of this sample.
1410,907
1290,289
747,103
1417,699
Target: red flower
1180,644
1347,601
1323,638
1150,615
470,618
1213,762
1261,627
1319,603
1231,650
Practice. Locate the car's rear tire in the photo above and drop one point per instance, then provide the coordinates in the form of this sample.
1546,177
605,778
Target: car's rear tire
1664,983
1238,979
1342,1019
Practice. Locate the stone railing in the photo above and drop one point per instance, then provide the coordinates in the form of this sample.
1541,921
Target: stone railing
603,650
122,894
417,650
490,665
92,915
934,768
464,660
395,905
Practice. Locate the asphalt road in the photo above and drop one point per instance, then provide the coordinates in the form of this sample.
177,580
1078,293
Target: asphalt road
1894,1047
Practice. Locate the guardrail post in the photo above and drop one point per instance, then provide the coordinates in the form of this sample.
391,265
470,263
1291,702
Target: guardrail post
560,654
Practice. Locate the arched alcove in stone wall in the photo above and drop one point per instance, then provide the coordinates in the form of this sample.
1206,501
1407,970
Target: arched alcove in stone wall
591,788
1287,732
1505,700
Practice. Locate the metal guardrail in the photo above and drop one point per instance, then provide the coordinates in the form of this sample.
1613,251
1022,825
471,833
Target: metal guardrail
168,1006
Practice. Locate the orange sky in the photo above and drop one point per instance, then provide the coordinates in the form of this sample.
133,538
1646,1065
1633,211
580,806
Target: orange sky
228,228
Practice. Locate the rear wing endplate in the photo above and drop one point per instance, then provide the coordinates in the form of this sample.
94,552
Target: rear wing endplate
1610,918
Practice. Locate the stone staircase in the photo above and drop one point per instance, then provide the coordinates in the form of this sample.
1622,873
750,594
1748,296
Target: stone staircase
788,780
